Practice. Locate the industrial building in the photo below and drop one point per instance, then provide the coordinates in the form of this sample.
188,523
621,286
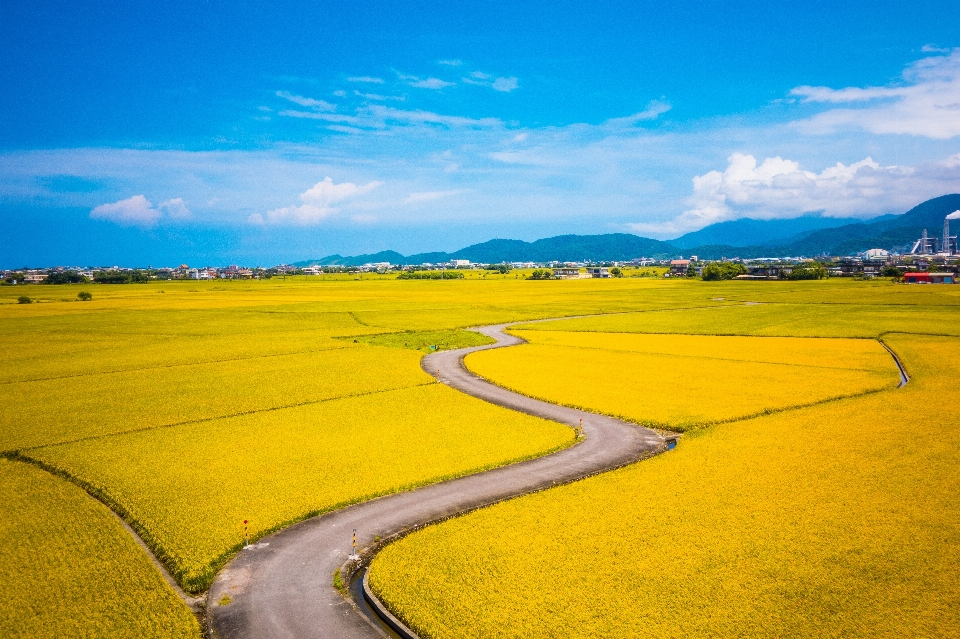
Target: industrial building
946,244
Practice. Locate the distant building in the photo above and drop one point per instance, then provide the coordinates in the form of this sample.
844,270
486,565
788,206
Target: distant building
566,273
877,254
460,263
34,278
598,271
929,278
679,267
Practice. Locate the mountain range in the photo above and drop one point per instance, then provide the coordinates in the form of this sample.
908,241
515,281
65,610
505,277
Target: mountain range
745,238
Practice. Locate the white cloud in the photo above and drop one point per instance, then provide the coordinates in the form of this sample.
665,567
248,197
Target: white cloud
382,98
926,103
366,78
340,93
320,105
427,196
138,211
479,78
175,209
326,117
505,84
655,108
932,48
428,117
430,83
317,205
450,63
779,188
133,211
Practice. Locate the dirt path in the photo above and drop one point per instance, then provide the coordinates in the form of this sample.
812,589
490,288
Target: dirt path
283,587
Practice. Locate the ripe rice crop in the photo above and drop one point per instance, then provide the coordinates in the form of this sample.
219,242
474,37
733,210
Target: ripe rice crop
837,520
683,381
69,569
187,488
56,410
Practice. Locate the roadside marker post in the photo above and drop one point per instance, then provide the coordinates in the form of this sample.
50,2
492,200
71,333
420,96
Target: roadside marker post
246,536
354,556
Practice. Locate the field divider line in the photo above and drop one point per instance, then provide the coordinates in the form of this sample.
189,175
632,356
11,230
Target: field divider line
166,366
203,420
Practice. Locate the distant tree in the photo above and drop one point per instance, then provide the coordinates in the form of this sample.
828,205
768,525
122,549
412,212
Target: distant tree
541,274
722,271
65,277
23,299
890,271
111,277
84,296
808,271
503,269
616,272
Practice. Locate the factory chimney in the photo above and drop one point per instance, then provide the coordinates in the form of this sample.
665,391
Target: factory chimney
946,234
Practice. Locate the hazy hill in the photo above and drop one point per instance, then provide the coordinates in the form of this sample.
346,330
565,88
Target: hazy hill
744,238
749,232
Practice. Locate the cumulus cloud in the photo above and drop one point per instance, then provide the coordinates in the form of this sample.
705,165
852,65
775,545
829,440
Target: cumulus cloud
320,105
138,211
175,209
317,204
366,78
427,196
779,188
925,103
450,63
133,211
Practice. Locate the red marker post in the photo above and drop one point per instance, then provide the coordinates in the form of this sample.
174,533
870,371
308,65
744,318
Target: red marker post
246,536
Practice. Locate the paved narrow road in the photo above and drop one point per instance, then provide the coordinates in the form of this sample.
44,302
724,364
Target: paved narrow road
283,588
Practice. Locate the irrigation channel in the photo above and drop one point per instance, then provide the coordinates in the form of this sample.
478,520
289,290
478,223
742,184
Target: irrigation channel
282,586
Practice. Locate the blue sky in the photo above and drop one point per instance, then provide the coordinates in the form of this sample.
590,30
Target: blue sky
202,132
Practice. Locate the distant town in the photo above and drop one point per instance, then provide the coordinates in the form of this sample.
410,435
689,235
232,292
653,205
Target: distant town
931,259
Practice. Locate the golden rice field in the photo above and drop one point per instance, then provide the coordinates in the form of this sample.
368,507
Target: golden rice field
837,520
69,569
680,382
188,488
191,406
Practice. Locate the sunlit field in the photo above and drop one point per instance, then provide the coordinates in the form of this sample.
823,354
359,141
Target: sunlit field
835,520
69,569
680,382
191,406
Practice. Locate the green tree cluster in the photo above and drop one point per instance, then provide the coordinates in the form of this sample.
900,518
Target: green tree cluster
808,271
723,271
65,277
541,274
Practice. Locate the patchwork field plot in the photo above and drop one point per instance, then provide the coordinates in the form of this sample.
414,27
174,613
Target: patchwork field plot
836,520
684,381
69,569
188,488
50,411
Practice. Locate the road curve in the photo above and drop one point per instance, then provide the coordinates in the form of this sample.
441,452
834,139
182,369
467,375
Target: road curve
281,588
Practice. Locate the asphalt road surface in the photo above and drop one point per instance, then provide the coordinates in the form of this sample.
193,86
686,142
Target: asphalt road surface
282,587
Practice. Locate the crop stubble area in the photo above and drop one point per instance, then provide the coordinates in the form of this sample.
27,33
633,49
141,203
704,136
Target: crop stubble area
191,409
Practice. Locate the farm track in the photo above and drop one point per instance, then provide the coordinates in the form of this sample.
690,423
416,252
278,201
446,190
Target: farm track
282,587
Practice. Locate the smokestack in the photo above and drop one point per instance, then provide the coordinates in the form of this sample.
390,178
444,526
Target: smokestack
946,235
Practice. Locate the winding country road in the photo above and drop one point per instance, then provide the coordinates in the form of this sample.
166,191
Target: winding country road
281,588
